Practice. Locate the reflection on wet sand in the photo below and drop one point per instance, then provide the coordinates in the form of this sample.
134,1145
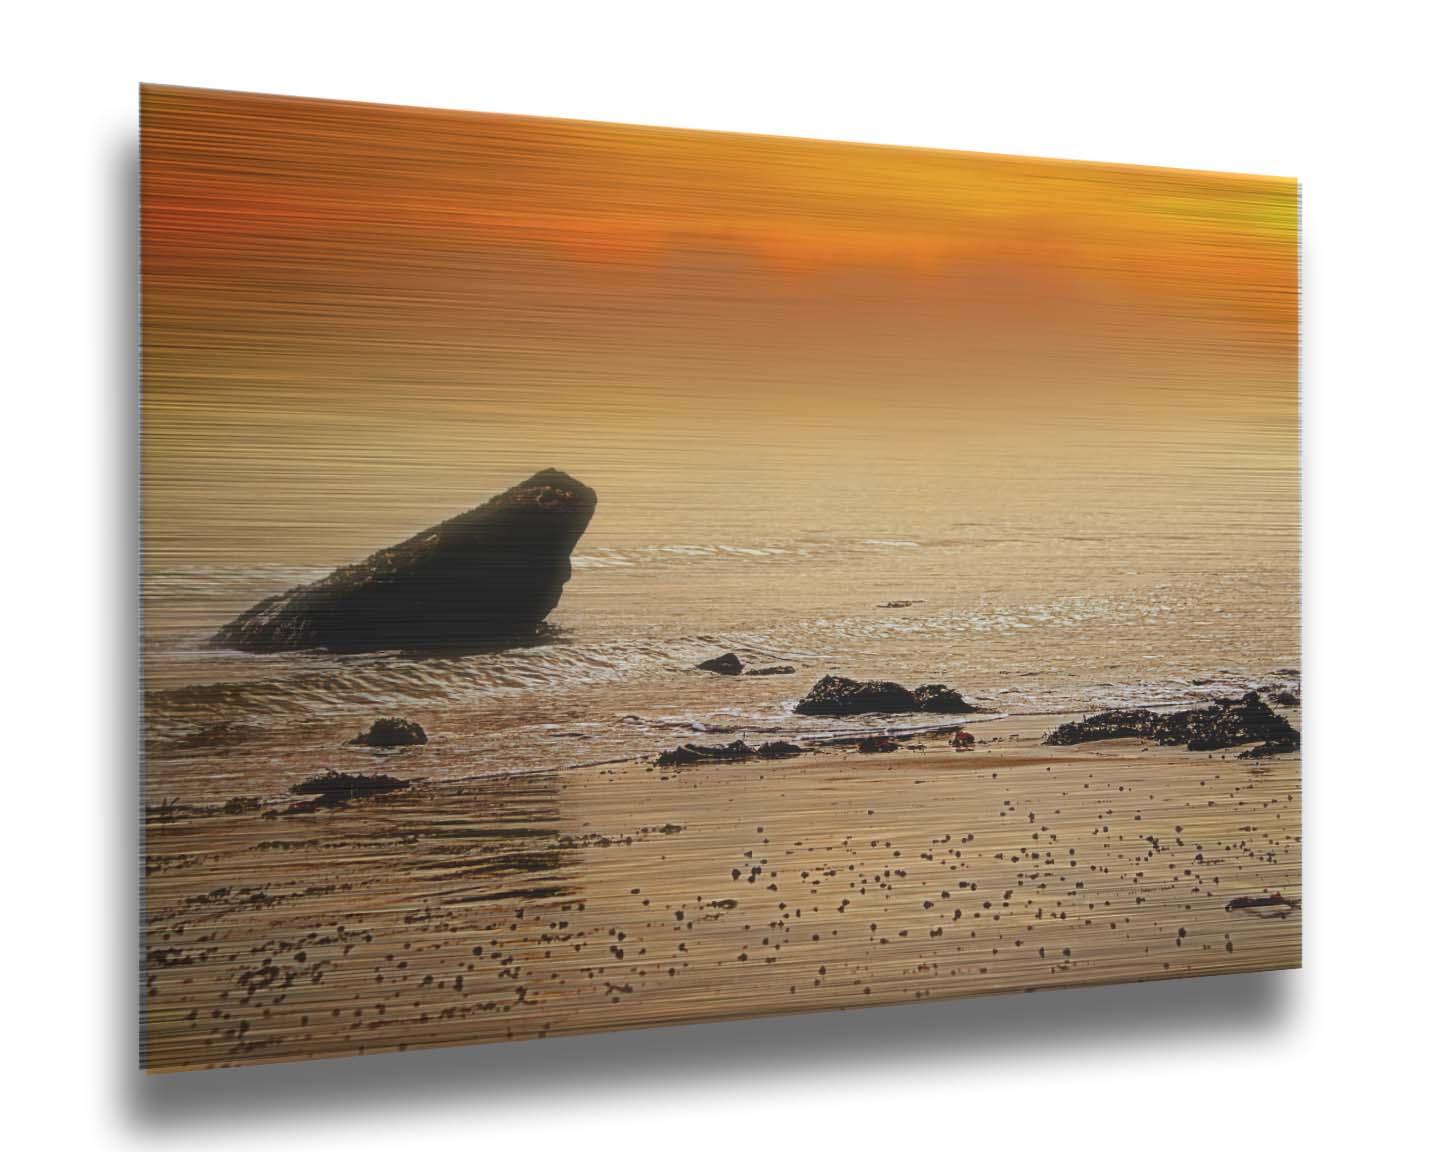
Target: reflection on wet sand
629,894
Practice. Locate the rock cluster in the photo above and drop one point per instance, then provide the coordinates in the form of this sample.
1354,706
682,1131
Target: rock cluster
734,751
841,696
1223,724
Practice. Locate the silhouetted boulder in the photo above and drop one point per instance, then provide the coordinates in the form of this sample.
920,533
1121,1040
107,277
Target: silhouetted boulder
392,732
1222,724
488,575
726,665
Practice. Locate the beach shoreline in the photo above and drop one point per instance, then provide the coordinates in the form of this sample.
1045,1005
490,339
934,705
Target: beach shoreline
628,895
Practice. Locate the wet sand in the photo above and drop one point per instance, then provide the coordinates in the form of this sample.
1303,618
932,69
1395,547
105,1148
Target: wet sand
627,895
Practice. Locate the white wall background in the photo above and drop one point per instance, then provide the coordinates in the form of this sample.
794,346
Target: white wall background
1342,1051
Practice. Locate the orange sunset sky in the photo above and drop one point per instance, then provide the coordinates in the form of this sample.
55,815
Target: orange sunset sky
346,301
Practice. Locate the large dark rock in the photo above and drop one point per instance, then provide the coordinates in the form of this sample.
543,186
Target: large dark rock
841,696
726,665
486,576
1224,724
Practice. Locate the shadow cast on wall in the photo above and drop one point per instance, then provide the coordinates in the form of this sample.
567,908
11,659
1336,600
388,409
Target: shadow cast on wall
729,1055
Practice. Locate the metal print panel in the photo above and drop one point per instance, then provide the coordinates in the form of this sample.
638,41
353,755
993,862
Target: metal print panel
600,576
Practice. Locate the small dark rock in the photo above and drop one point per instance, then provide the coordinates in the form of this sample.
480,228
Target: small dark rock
1285,698
392,732
1270,748
726,665
772,670
779,750
878,744
702,753
336,787
941,698
1274,899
